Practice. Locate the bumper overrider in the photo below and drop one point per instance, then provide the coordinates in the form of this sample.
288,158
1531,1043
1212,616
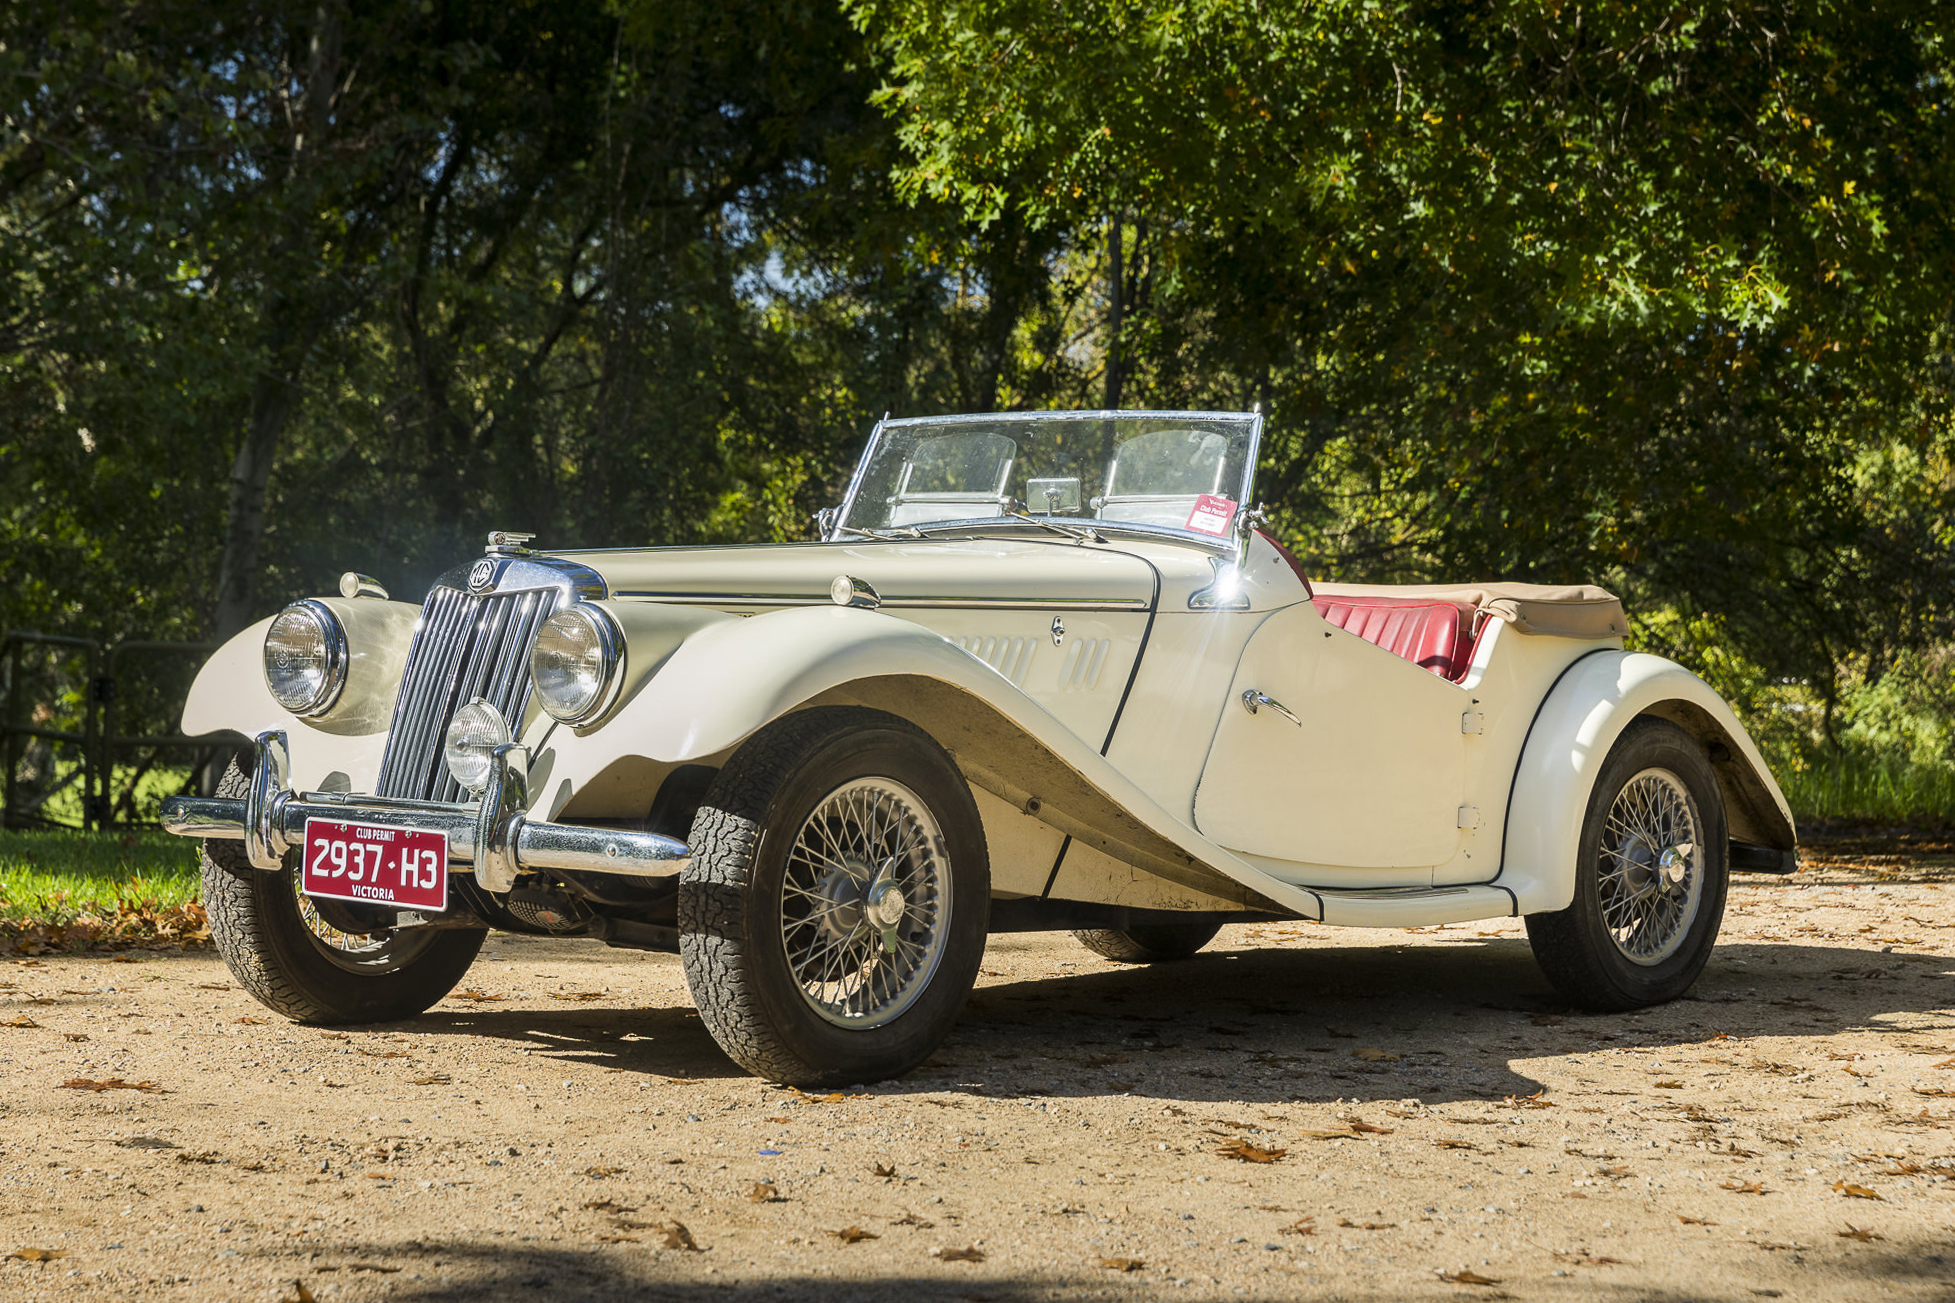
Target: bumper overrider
492,837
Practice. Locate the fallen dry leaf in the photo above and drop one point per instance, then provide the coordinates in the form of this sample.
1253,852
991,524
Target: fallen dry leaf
337,1036
617,1239
1694,1221
1302,1226
887,1173
1243,1151
764,1192
1667,1085
110,1083
1744,1187
300,1294
249,1022
1467,1278
1535,1100
1903,1169
598,1173
479,997
206,1156
1456,1144
911,1219
433,1079
973,1254
38,1255
1853,1191
1934,1092
75,1036
1363,1128
1367,1226
677,1236
379,1267
22,1021
1853,1232
607,1206
854,1235
576,995
215,986
1371,1054
1122,1264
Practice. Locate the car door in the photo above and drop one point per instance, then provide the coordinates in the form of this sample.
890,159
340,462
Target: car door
1368,774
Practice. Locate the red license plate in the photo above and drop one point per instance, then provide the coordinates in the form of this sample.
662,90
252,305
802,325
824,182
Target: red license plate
380,866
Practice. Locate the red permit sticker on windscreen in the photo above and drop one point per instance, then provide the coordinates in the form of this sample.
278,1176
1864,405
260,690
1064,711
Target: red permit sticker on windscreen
1212,514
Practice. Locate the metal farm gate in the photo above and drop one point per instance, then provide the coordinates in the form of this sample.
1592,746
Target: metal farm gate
89,736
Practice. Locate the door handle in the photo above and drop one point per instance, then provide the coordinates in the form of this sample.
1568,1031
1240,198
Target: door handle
1252,699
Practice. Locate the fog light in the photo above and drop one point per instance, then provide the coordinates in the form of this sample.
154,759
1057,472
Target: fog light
470,746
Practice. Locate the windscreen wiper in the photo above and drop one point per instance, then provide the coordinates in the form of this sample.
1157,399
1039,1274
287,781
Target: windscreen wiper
907,531
1077,533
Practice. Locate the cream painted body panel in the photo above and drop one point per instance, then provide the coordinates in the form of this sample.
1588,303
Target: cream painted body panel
338,753
1578,723
1372,779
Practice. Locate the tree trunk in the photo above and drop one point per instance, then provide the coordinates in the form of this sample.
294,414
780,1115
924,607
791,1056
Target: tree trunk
1116,292
290,330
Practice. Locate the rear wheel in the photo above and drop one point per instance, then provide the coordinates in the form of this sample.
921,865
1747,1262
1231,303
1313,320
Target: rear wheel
1149,944
835,910
1650,877
310,960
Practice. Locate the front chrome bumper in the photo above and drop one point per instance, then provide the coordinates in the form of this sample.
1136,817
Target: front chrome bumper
491,837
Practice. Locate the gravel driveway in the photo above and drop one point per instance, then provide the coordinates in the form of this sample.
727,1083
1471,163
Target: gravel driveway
1298,1112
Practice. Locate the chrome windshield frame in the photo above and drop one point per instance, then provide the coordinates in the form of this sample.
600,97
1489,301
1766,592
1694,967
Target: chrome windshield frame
1243,500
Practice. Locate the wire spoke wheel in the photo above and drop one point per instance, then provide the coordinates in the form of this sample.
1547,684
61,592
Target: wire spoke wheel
865,903
378,951
1650,872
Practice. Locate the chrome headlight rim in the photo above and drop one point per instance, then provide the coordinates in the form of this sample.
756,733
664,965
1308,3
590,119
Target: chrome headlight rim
336,654
611,647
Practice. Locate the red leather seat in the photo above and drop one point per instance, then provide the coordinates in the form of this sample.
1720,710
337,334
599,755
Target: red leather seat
1435,635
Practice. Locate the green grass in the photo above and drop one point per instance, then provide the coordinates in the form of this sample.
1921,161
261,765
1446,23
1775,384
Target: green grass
56,877
1857,786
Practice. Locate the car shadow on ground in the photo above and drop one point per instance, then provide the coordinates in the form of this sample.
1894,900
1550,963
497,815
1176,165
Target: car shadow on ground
1281,1024
477,1272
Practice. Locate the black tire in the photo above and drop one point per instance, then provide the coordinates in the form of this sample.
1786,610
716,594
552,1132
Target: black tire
1575,946
255,921
1148,944
736,925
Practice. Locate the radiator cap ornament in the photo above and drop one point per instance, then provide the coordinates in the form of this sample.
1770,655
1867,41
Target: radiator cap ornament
508,542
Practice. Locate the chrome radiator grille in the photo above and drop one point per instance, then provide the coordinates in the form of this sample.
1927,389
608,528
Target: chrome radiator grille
468,647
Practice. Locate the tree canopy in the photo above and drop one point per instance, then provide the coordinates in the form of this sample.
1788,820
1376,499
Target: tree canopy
1656,296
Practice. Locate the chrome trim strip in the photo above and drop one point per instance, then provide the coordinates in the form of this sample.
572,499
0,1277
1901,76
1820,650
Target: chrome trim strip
573,580
964,603
273,817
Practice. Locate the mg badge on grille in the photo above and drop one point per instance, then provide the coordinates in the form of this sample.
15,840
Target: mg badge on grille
481,575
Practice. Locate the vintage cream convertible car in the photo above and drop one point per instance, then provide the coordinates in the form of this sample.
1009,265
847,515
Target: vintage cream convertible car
1040,671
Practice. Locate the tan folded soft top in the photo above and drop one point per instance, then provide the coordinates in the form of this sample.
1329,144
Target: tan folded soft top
1576,611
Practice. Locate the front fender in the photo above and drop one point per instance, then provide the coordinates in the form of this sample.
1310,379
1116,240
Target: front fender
1584,713
730,678
341,750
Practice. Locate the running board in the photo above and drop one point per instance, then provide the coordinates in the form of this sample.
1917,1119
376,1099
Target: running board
1412,906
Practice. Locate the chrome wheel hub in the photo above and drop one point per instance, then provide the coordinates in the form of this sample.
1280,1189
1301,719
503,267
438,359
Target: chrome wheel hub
865,903
1649,872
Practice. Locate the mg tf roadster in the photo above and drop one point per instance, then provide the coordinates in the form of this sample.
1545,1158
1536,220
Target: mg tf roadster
1037,671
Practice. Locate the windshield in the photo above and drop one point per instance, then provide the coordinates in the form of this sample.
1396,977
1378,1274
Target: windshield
1185,472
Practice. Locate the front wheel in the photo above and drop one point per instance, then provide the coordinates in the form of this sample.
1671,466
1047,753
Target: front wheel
282,950
1650,877
834,914
1150,943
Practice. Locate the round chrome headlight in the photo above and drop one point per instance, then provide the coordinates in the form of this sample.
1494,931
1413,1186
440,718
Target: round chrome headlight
474,733
576,664
305,658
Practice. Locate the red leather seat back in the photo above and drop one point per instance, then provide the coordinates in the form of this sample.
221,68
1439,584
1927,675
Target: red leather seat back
1435,635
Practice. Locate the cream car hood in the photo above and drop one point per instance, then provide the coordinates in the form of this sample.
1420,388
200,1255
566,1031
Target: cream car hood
996,572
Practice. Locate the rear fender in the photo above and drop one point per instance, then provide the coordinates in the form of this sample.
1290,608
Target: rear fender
730,678
1586,711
